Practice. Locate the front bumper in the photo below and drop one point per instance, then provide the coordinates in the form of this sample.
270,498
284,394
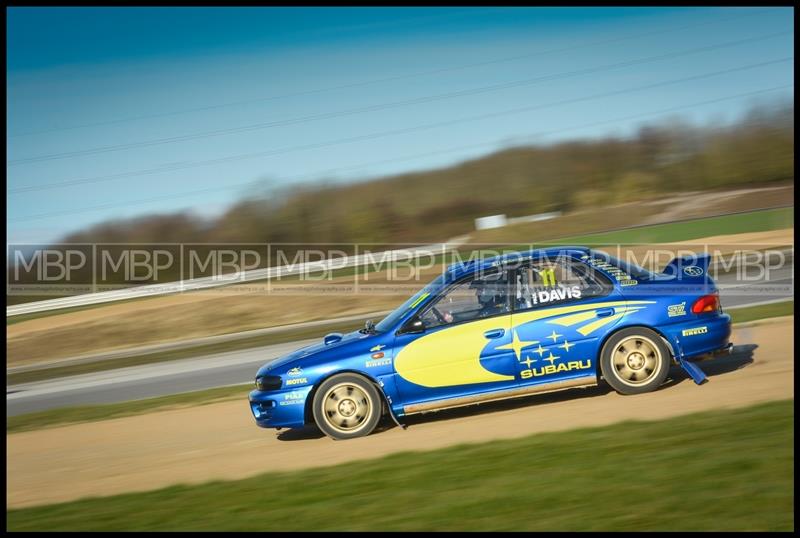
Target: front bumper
279,408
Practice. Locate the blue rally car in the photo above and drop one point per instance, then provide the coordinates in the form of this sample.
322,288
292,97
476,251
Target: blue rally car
512,325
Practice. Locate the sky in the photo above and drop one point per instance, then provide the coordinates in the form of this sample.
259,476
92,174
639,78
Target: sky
120,112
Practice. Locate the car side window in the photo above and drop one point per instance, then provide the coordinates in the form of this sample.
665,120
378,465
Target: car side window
547,282
473,298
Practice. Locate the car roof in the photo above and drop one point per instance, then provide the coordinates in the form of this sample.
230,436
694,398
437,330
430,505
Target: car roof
460,269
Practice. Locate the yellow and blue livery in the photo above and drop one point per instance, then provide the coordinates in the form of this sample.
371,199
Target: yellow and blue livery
512,325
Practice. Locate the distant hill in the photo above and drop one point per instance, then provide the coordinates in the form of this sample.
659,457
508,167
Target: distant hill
434,205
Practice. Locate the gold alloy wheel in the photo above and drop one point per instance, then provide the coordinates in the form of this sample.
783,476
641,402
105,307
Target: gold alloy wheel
346,407
636,360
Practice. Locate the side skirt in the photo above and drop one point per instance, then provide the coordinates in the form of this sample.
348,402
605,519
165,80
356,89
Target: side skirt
449,403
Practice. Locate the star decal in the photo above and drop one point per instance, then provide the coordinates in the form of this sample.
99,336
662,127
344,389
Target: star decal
540,350
555,336
517,345
566,345
552,358
527,362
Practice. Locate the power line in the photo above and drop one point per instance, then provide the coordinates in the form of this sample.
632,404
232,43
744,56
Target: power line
384,106
381,134
749,13
537,135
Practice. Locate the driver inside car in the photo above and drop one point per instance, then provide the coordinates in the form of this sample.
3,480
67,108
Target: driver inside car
489,294
492,298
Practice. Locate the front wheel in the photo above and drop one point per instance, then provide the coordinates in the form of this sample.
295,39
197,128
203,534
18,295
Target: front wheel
635,360
347,406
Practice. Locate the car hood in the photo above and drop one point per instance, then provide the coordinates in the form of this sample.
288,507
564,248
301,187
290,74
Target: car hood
314,352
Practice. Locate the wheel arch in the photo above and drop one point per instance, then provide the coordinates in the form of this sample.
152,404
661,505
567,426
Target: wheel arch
308,412
631,326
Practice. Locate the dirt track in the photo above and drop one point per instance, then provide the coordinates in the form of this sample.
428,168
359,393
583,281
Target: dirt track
220,441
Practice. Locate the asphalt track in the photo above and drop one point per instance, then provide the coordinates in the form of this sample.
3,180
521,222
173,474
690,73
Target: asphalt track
239,367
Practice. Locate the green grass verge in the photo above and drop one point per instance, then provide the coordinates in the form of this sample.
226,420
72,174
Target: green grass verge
753,221
752,313
290,335
756,221
721,470
92,413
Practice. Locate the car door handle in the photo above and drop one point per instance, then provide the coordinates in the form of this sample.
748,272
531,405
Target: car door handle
604,312
494,333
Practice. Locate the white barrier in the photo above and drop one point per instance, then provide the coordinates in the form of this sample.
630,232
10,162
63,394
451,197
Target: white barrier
153,290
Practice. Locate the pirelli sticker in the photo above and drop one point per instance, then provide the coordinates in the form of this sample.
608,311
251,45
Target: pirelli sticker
694,331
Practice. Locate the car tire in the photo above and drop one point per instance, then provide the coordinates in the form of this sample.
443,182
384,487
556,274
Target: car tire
347,406
635,360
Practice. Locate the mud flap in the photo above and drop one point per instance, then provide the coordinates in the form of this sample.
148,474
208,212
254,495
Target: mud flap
693,370
394,418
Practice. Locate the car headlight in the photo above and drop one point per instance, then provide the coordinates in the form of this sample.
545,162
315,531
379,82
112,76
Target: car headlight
268,382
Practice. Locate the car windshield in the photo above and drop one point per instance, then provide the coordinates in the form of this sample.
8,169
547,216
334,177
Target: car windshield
389,321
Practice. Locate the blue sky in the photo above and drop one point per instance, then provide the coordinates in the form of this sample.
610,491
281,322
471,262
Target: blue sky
118,112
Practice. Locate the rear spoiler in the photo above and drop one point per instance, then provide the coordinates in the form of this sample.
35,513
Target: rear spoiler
693,266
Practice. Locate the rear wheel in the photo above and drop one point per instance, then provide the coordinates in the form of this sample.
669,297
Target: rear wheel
347,406
635,360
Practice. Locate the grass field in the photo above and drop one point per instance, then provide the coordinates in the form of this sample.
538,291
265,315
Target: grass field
754,221
752,313
721,470
757,221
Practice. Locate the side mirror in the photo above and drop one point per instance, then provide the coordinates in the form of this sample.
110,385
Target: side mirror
332,338
413,326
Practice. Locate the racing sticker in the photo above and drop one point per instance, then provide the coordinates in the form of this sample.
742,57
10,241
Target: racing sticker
554,369
378,359
419,300
548,277
556,294
566,365
693,270
695,331
298,381
616,273
292,398
674,310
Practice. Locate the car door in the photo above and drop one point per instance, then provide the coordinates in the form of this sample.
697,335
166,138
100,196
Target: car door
466,345
561,309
